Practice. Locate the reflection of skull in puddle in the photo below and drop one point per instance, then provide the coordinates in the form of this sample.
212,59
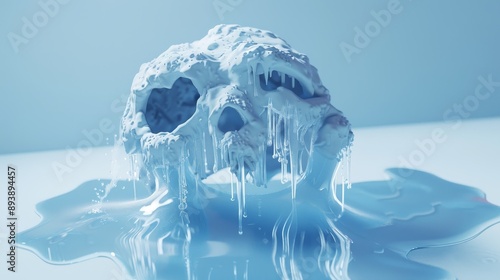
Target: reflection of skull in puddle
238,100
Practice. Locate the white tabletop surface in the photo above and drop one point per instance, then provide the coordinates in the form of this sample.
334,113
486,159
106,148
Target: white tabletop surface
469,155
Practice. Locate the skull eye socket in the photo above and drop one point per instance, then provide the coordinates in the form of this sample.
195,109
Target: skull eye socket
230,120
167,108
278,79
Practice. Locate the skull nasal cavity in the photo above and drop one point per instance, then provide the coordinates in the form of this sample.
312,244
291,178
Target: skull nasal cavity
167,108
230,120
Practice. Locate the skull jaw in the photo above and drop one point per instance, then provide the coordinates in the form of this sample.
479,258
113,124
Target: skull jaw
334,138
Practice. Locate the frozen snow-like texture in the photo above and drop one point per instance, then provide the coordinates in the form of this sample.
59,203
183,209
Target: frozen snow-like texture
240,98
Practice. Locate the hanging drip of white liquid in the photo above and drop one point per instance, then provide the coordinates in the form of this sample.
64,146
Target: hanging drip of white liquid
215,143
342,172
181,170
239,198
205,154
134,172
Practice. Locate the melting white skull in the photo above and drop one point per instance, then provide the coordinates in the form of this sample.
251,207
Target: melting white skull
240,100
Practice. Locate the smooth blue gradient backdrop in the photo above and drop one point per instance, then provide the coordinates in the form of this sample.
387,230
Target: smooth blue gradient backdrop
71,76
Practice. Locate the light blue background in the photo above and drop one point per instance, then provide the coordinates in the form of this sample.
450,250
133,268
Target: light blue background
72,74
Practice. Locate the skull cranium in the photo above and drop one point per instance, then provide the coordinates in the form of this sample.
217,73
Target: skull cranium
239,99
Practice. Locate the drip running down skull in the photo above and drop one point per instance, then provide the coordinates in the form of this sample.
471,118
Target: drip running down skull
242,102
